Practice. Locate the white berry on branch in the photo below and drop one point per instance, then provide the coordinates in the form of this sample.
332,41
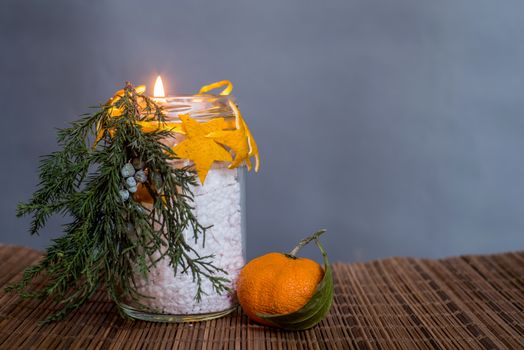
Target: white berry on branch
127,170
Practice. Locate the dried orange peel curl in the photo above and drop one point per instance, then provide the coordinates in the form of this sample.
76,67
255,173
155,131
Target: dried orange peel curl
227,90
286,291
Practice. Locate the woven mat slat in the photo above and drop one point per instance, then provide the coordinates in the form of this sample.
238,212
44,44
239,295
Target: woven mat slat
470,302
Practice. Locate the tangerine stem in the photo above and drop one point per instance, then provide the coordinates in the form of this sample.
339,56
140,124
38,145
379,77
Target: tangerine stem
305,241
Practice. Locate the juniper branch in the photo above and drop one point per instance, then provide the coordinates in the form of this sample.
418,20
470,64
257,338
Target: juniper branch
97,247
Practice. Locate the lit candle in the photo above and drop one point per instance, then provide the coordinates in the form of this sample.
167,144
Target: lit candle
158,90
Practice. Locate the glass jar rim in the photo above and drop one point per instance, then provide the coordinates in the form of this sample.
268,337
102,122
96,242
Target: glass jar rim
201,106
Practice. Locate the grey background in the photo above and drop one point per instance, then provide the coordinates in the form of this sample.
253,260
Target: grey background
397,125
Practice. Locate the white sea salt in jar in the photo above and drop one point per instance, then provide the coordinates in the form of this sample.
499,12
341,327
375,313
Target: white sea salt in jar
219,205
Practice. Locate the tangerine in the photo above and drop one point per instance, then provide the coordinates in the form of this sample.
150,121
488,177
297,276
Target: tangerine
278,284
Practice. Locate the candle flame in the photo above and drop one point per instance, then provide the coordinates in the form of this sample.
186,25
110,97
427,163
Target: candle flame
158,90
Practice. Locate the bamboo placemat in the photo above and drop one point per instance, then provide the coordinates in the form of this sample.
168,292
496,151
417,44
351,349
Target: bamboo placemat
471,302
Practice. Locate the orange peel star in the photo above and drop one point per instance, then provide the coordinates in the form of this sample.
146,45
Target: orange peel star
202,150
253,148
236,140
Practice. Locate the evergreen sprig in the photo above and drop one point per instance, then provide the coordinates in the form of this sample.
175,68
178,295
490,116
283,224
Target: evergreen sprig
110,241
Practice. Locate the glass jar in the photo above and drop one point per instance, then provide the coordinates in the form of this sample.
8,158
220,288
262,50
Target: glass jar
218,204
